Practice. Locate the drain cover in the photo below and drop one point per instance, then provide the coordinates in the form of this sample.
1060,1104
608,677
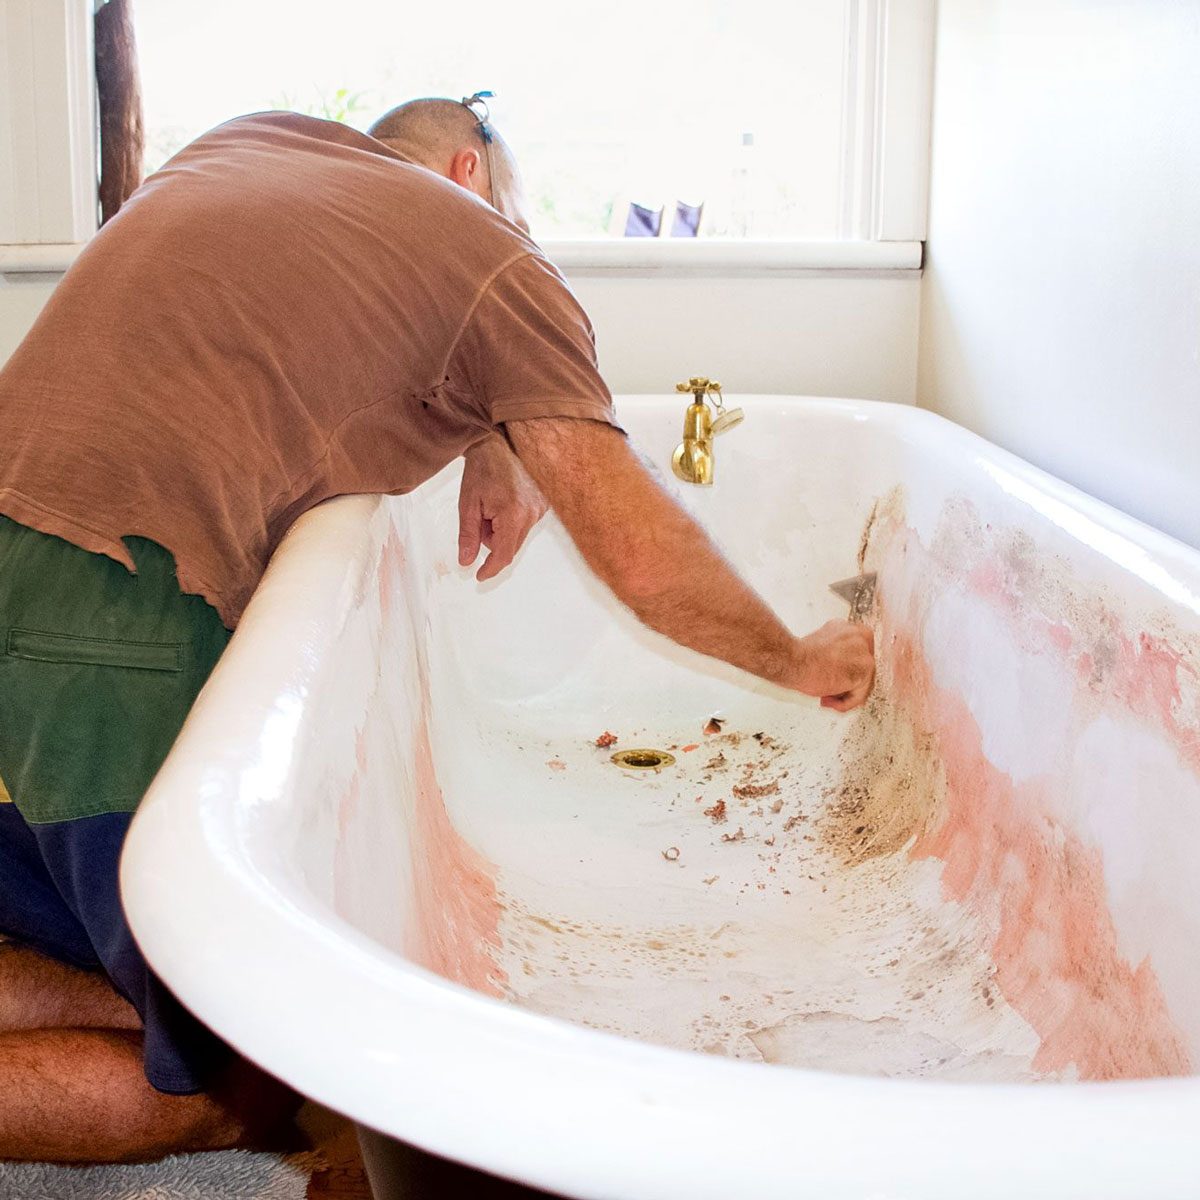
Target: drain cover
643,760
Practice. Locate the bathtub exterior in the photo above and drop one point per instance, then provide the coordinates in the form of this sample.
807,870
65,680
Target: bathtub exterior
333,887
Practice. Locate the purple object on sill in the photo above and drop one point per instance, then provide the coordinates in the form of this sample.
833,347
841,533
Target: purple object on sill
642,221
687,220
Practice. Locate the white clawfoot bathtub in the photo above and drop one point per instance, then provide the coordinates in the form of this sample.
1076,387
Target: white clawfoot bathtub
948,945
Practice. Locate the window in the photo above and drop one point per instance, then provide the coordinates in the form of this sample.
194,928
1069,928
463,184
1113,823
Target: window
47,143
741,108
791,125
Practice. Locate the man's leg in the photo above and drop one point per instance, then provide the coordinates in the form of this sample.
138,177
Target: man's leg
73,1084
38,992
81,1096
81,737
73,1087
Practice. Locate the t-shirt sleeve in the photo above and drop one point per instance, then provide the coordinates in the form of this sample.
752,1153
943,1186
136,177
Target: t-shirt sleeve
528,350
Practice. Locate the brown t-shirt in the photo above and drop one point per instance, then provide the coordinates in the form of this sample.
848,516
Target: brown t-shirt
287,311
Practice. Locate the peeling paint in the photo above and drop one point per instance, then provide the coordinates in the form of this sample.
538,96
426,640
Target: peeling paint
1008,854
970,878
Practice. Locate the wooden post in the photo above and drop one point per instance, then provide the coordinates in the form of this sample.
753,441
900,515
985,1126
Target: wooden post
122,132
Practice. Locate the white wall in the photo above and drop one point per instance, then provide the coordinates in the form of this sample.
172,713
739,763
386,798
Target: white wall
847,334
853,334
1061,299
21,299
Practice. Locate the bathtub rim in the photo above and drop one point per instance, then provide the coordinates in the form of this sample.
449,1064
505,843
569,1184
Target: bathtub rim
1066,502
189,842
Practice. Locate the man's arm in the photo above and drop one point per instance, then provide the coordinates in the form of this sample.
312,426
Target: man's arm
659,562
498,504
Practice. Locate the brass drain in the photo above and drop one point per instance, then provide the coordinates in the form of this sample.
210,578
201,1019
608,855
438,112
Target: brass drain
643,760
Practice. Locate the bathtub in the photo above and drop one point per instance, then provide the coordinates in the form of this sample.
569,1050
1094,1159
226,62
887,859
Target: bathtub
946,945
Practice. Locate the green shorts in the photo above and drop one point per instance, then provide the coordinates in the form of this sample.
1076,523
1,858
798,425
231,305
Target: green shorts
98,670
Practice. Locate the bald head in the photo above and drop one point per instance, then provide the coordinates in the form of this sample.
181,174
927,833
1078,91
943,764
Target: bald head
447,137
428,131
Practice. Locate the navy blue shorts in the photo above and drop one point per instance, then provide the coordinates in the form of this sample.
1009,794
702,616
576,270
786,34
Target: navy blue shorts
59,896
98,671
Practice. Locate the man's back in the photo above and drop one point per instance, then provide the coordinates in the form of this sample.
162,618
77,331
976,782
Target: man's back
269,321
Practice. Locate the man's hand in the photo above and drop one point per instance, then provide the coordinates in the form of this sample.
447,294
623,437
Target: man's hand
837,663
658,561
498,504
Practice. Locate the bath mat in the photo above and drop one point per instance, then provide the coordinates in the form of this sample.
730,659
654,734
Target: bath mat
332,1170
223,1175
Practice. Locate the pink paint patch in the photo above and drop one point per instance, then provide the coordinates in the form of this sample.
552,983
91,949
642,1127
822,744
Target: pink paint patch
391,565
1055,951
343,869
987,580
347,806
458,908
1007,859
1061,638
556,764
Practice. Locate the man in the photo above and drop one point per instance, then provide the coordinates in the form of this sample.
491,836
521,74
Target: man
288,311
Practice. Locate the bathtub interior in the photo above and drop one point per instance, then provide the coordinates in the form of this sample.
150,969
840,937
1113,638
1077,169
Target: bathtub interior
986,874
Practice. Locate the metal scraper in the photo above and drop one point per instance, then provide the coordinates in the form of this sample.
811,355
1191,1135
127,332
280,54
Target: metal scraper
859,592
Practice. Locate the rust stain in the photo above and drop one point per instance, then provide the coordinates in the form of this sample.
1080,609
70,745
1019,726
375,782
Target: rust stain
756,790
864,542
891,789
884,514
716,812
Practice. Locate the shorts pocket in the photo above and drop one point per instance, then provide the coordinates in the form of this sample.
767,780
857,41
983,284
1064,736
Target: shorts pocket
96,652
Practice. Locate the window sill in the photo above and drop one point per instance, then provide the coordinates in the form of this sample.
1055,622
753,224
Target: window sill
721,256
44,258
657,256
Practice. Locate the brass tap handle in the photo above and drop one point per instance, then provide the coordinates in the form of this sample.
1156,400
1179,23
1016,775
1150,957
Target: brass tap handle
699,386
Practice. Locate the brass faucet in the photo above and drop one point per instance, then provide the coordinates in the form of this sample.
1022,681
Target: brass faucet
693,457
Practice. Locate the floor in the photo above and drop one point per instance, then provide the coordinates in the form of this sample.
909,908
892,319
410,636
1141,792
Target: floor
413,1174
344,1178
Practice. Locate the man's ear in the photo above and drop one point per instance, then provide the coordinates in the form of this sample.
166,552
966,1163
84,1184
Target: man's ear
466,169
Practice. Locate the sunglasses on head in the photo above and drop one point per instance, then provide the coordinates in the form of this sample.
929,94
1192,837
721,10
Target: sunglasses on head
474,104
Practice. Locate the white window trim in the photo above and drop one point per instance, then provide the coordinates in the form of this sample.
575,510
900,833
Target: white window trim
47,99
653,257
48,185
887,101
728,256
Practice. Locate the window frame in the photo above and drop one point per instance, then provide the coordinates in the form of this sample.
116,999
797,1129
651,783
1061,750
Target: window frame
48,180
48,210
